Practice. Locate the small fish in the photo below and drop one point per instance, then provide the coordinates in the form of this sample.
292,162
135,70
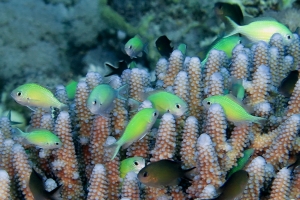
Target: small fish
287,85
33,95
135,47
241,162
182,47
71,89
238,89
37,187
122,65
163,173
163,45
132,65
10,120
134,164
41,138
296,163
234,186
260,29
136,129
167,102
101,99
233,11
233,109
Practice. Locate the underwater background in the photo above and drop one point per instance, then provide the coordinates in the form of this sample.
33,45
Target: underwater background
54,42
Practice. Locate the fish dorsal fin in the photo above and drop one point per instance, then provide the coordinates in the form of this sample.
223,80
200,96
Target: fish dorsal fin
257,19
233,98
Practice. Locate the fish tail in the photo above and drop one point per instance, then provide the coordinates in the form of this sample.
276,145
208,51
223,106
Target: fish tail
55,194
231,27
17,133
113,150
63,107
259,120
187,174
122,92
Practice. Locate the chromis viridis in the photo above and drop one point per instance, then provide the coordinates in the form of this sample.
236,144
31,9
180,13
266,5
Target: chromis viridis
37,188
287,85
167,102
163,173
33,96
262,29
41,138
234,186
134,164
135,47
238,89
71,89
241,162
233,109
233,11
136,129
101,99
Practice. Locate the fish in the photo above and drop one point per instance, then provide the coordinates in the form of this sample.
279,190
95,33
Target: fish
260,29
163,173
135,47
33,96
163,46
296,163
287,85
233,109
37,188
241,162
41,138
233,11
225,44
167,102
136,129
234,186
134,164
101,99
182,47
238,89
71,89
122,65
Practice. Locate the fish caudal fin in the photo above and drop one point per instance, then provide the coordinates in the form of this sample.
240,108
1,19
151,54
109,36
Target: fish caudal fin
113,150
259,120
55,194
122,92
231,27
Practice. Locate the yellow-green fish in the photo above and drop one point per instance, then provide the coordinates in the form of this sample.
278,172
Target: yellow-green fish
41,138
101,99
33,95
233,109
167,102
71,89
135,47
37,188
261,29
136,129
134,164
234,186
163,173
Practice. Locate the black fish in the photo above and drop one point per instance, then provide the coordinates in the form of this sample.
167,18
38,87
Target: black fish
296,163
230,10
122,65
287,85
163,45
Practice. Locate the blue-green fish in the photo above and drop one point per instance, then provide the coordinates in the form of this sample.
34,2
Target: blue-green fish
101,99
41,138
135,47
238,89
134,164
136,129
241,162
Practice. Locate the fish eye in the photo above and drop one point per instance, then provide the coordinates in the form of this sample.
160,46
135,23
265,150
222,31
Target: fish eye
154,114
136,163
208,103
168,110
178,106
288,37
57,143
19,93
145,174
94,102
240,41
130,46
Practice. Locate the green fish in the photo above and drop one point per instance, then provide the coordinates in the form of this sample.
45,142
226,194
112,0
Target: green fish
238,89
71,89
37,188
167,102
136,129
33,95
182,47
287,85
233,11
135,47
260,30
233,109
225,44
163,173
101,99
41,138
241,162
234,186
134,164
